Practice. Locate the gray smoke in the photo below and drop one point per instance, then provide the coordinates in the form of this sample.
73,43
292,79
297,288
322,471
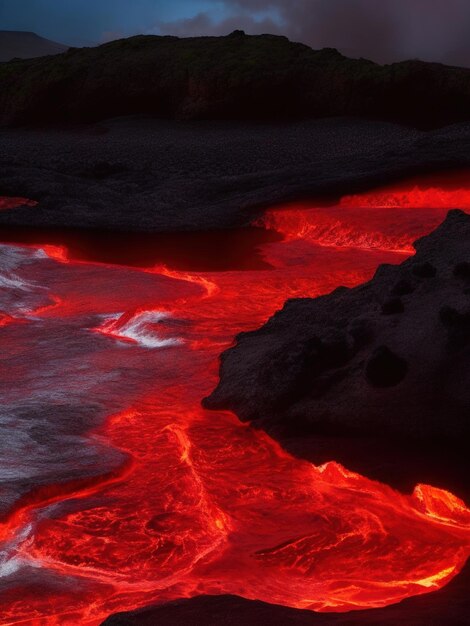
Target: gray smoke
382,30
203,24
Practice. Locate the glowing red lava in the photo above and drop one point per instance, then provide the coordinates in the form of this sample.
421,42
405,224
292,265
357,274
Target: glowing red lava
203,503
13,203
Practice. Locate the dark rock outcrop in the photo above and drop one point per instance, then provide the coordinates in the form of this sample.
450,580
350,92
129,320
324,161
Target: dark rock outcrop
234,77
462,270
449,606
394,306
337,365
385,369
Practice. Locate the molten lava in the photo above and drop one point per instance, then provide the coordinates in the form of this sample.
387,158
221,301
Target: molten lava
13,203
171,500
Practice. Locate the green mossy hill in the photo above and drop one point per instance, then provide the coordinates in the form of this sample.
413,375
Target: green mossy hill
233,77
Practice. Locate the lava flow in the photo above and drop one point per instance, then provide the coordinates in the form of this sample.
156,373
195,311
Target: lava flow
119,490
13,203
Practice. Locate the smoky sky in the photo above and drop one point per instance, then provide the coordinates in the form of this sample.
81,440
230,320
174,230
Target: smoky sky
382,30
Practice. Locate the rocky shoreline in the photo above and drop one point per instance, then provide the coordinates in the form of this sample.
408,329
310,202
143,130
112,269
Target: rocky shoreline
148,175
386,362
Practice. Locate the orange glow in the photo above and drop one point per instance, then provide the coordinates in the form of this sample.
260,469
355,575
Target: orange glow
202,502
366,228
58,253
5,319
412,197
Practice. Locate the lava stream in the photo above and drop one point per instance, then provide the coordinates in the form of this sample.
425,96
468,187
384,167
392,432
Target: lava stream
158,499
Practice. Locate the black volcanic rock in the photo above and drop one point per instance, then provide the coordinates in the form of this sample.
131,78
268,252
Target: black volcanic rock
150,175
447,607
462,270
425,270
385,369
233,77
404,376
394,306
26,45
403,287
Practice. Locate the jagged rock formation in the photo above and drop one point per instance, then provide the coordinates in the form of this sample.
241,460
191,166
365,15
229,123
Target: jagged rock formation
390,358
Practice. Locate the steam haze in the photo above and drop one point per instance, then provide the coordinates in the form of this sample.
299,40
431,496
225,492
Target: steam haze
385,30
382,30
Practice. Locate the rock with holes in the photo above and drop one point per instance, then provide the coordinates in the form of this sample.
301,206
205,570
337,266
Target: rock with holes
390,358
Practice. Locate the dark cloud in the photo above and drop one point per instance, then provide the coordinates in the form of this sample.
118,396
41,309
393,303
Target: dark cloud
383,30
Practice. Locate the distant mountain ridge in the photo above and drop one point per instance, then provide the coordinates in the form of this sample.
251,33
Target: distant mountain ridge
234,77
26,45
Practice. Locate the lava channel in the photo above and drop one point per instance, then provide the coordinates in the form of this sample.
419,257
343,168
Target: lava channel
119,490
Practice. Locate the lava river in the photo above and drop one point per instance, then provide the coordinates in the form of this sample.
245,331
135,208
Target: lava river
118,490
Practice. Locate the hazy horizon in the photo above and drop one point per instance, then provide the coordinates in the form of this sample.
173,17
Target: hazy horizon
394,30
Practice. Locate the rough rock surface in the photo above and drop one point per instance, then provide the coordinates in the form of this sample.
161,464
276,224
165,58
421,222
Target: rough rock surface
449,606
148,175
389,359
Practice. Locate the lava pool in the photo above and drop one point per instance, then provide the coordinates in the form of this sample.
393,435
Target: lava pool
119,490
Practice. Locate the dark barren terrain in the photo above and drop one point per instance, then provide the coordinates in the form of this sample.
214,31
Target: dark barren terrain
239,124
248,132
160,176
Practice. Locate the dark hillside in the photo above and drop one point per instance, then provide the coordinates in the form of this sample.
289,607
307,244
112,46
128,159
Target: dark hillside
233,77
